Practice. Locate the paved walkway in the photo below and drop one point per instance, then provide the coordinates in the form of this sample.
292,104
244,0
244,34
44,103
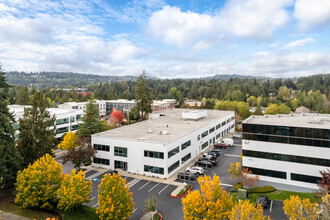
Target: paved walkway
10,216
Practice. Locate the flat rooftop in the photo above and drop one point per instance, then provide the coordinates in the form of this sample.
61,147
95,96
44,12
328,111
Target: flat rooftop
172,123
306,120
19,110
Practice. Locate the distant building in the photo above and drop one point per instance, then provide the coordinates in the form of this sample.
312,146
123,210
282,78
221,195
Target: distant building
66,119
302,109
82,106
253,109
123,105
164,144
287,150
81,90
193,103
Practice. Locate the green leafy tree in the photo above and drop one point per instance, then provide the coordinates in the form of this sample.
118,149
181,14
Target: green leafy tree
243,110
272,109
23,97
258,111
142,96
294,104
37,133
174,93
283,109
10,159
74,191
134,114
115,200
92,123
38,184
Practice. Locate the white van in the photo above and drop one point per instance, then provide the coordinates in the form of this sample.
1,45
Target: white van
228,141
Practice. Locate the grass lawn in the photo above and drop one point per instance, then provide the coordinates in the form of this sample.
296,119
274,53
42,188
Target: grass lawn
184,190
82,213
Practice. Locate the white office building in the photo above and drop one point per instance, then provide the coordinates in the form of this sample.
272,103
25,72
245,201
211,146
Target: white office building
162,145
82,106
66,119
287,151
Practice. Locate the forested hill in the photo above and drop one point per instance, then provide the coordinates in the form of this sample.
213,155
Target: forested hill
68,79
61,79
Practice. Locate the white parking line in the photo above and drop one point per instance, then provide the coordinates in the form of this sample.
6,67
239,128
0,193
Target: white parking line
153,187
162,189
232,155
271,205
92,198
224,184
134,210
95,205
144,185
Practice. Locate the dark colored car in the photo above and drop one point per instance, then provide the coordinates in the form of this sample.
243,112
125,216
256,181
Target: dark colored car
211,160
220,145
263,201
216,152
204,163
186,175
111,172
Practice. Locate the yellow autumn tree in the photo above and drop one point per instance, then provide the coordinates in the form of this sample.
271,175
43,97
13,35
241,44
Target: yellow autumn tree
74,191
115,200
244,210
325,207
38,184
300,209
211,203
235,170
69,141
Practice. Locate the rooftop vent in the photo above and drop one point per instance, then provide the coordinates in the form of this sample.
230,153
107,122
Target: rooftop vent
163,132
149,131
194,115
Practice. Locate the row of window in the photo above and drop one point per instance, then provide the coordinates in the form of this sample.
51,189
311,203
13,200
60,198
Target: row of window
173,166
270,173
211,130
154,154
287,140
62,121
305,178
153,169
173,152
204,134
74,127
288,158
185,145
205,145
121,151
102,147
62,130
287,131
185,158
101,161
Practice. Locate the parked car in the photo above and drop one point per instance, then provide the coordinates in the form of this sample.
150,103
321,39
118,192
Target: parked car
211,157
228,141
204,163
263,201
215,151
111,172
186,175
210,154
220,145
195,170
211,160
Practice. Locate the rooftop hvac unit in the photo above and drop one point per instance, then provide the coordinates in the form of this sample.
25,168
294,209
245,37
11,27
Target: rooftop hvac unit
164,132
194,115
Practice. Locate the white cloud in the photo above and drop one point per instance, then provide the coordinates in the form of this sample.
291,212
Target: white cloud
312,13
297,43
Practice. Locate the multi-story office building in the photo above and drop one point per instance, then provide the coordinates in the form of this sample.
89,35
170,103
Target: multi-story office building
82,106
123,105
162,145
66,119
287,150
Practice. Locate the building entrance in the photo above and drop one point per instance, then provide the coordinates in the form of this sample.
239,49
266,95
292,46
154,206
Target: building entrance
120,165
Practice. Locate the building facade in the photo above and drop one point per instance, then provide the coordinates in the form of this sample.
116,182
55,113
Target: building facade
123,105
82,106
162,145
289,150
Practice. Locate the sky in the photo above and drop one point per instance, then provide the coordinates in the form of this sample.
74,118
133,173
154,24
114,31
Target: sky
167,39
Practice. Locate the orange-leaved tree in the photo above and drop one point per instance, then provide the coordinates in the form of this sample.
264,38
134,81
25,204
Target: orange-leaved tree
38,184
248,178
69,141
116,117
301,209
115,200
74,191
211,203
244,210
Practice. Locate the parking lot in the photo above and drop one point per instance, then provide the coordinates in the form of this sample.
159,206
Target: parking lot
275,210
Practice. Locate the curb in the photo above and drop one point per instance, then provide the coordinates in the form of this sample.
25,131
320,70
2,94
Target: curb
183,193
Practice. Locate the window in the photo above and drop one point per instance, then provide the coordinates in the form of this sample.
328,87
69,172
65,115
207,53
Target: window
121,151
72,119
16,126
305,178
173,152
173,166
74,127
223,123
185,158
218,136
210,141
153,169
204,134
232,118
101,161
218,126
62,130
78,117
185,145
198,137
232,126
205,145
154,154
228,121
102,147
288,158
62,121
211,130
270,173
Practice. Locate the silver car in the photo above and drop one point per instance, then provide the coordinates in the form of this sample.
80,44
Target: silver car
195,170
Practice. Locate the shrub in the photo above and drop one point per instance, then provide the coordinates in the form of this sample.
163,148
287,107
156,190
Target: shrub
237,186
184,190
264,189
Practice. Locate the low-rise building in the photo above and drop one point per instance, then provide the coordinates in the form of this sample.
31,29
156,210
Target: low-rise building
82,106
123,105
287,150
162,145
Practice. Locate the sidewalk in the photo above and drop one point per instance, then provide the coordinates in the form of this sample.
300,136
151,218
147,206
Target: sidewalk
10,216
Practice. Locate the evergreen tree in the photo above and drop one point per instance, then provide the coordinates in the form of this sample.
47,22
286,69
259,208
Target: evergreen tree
142,96
37,132
92,123
23,96
10,159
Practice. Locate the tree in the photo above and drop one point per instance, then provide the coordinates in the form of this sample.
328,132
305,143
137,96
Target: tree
150,204
325,207
174,93
283,93
81,154
235,170
300,209
115,200
74,191
252,101
134,114
211,203
249,179
294,104
243,110
92,123
23,96
116,117
69,141
142,96
324,184
38,184
283,109
37,133
258,111
244,210
10,159
272,109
